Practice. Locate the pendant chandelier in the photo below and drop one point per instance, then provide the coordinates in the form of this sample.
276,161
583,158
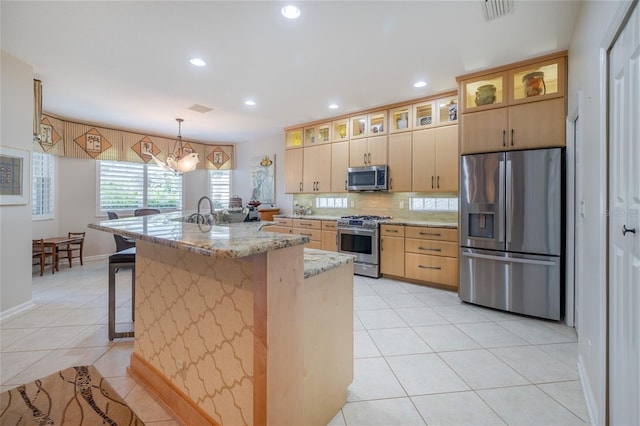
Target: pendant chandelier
180,160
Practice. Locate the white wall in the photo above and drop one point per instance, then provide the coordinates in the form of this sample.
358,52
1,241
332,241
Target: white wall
242,175
584,76
15,221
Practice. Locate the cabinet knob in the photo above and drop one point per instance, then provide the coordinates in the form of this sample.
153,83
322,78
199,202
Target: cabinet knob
438,183
625,230
431,182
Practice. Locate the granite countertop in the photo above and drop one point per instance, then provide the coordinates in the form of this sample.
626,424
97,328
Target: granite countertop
319,261
435,223
227,240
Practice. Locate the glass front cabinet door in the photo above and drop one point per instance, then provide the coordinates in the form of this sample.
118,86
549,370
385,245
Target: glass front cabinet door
484,92
447,110
424,115
538,81
340,130
400,119
293,138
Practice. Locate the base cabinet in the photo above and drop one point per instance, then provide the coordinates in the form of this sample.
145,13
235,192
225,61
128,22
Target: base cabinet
310,228
424,254
329,235
392,250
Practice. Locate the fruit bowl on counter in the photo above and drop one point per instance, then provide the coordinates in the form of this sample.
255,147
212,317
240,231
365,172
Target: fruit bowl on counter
232,215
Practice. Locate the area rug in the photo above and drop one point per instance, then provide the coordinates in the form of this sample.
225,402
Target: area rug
73,396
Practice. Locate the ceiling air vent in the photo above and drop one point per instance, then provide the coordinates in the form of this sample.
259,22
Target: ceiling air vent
200,108
493,9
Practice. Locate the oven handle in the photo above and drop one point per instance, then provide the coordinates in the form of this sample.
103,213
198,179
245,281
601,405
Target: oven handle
357,231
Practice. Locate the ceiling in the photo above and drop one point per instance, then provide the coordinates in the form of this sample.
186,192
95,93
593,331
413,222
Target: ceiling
125,64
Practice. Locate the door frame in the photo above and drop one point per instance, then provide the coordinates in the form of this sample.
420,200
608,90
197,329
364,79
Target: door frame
573,253
615,28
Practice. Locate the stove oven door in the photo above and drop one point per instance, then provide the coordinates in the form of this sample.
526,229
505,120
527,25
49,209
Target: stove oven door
361,242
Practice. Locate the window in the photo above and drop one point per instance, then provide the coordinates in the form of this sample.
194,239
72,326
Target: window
42,206
124,187
220,184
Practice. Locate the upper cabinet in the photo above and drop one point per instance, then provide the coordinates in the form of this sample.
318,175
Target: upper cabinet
447,111
293,138
372,124
401,119
340,130
317,134
517,106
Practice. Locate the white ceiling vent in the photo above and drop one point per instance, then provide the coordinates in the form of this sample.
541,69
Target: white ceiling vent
200,108
493,9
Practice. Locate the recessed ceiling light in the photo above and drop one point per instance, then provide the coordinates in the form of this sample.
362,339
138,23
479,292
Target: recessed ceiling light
250,102
290,11
198,62
420,84
333,106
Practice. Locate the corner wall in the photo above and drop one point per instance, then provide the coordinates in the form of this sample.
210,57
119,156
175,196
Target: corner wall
16,113
592,25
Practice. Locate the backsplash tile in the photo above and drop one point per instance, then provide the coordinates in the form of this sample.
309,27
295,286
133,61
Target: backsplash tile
382,204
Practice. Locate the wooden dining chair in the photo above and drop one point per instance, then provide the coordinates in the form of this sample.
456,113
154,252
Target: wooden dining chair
40,253
74,249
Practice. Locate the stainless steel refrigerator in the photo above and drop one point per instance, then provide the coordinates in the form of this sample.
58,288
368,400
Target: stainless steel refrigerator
511,231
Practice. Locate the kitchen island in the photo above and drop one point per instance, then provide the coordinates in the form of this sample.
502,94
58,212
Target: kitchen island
234,325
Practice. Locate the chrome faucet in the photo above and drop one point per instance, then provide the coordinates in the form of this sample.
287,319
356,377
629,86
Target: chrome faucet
210,209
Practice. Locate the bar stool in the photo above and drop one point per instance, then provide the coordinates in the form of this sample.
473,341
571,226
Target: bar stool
125,259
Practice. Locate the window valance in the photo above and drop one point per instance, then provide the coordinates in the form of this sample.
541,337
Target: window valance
79,140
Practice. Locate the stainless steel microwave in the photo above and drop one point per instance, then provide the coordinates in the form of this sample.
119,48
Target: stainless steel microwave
367,178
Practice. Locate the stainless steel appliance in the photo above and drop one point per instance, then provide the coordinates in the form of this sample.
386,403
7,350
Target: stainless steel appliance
367,178
511,231
360,236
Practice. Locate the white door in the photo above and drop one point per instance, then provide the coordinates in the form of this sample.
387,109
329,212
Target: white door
624,215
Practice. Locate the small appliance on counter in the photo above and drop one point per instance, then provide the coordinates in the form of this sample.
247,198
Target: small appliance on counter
253,211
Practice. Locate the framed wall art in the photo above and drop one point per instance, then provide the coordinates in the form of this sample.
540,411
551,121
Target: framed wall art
14,176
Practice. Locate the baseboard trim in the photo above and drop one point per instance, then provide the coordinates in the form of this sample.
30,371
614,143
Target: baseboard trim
171,396
590,401
4,315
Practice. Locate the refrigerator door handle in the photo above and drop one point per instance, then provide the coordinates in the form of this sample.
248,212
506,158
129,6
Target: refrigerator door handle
501,200
510,259
509,201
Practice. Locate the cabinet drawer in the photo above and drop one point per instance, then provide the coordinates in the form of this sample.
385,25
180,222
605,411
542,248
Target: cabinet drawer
329,225
314,234
277,228
284,221
392,230
307,224
434,269
433,248
424,233
314,245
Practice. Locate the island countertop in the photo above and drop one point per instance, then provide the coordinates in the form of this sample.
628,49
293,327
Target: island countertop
225,241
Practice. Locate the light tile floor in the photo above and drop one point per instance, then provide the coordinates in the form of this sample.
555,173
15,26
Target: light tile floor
420,355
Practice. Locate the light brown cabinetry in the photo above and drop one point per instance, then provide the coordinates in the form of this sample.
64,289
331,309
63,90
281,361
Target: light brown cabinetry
311,228
366,125
318,134
399,161
316,174
431,254
339,166
329,235
392,250
518,106
368,151
293,138
294,165
283,225
435,160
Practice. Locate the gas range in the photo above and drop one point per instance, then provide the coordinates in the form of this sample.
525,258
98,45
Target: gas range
360,236
365,221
